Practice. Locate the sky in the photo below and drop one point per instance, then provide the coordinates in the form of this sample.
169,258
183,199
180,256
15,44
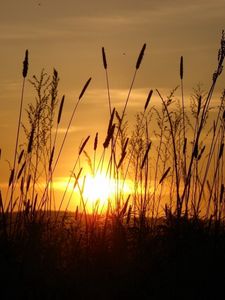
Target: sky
68,35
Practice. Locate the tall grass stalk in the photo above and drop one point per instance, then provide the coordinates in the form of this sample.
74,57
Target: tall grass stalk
13,171
65,135
203,117
138,63
179,204
107,78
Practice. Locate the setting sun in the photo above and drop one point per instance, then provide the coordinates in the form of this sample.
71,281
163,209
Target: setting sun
101,188
98,189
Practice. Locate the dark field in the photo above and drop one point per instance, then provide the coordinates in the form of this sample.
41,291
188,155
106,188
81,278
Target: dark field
180,259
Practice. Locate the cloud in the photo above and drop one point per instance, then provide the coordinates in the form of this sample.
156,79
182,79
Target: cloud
22,32
75,19
71,129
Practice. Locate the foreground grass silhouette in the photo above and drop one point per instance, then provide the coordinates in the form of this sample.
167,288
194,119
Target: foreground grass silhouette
133,248
178,259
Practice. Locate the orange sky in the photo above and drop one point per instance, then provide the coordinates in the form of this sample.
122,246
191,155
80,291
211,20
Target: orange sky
69,34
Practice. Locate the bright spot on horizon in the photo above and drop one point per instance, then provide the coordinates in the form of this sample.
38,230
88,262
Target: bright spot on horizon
101,189
97,189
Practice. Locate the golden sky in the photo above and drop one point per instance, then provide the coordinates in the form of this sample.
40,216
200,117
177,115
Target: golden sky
68,35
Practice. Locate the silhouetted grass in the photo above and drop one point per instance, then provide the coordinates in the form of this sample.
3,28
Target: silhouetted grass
166,239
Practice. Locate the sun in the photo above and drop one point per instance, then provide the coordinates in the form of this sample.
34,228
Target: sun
92,190
98,187
101,189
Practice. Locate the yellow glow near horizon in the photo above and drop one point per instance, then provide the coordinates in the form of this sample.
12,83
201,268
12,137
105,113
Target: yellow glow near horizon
101,188
96,189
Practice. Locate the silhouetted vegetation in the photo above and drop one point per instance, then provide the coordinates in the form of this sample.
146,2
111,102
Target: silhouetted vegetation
163,239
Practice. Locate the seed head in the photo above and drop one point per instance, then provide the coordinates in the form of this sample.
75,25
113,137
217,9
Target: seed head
96,142
84,88
148,100
181,68
60,109
25,65
104,58
140,57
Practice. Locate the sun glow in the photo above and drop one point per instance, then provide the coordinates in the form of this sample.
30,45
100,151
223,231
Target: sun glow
94,190
98,187
101,189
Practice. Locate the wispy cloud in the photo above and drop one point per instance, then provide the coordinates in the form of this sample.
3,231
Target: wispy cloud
118,96
71,129
22,32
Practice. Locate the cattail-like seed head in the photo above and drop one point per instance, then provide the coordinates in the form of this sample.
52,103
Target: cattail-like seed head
11,177
84,88
96,142
60,109
21,170
214,127
25,65
148,100
221,150
55,74
140,57
164,175
146,155
111,120
109,136
195,152
199,105
202,150
104,58
181,68
29,148
20,156
224,115
54,85
185,145
83,145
